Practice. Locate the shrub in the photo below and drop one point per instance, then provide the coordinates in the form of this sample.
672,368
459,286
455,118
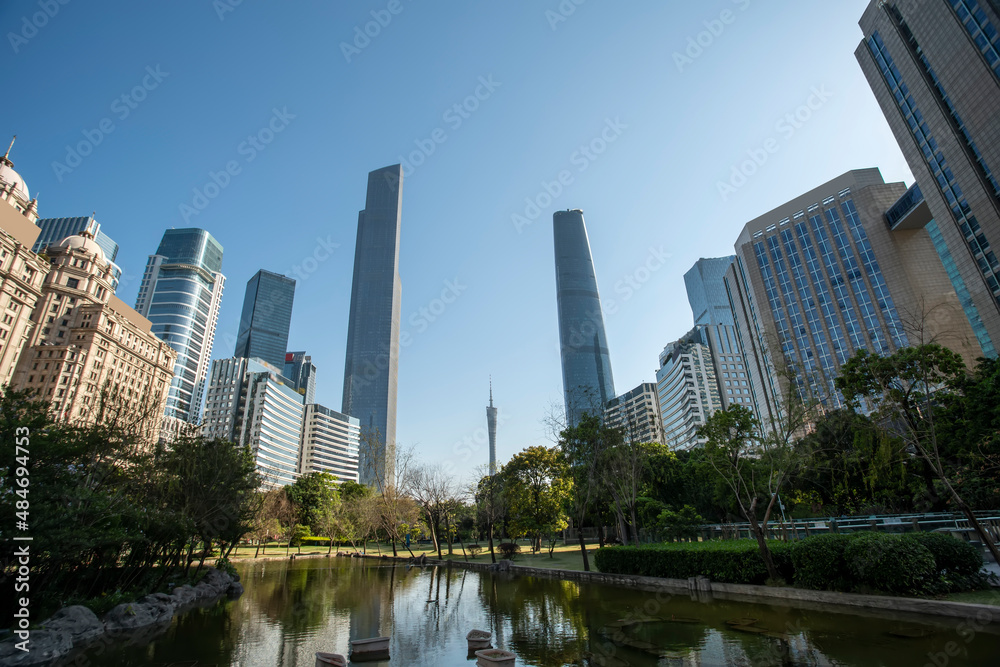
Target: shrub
508,550
730,561
227,567
951,555
889,563
819,562
474,549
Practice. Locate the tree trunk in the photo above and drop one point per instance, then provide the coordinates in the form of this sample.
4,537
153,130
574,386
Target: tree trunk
635,526
493,556
447,533
974,522
583,550
765,552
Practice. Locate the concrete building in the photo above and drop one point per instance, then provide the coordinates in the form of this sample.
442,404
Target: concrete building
822,276
266,317
491,429
300,369
329,443
637,414
54,230
935,70
588,384
89,354
371,366
687,389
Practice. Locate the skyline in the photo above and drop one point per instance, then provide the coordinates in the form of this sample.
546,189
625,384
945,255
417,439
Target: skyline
654,185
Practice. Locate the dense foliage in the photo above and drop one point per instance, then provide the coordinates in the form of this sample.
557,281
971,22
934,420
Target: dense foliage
730,561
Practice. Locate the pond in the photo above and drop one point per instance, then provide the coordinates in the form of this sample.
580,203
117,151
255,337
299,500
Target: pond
291,609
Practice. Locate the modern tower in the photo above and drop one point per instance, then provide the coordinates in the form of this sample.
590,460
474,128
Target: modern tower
637,414
267,314
180,293
491,424
935,70
687,389
300,369
55,230
586,364
371,367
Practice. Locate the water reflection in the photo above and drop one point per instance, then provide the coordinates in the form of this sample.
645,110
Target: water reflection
292,609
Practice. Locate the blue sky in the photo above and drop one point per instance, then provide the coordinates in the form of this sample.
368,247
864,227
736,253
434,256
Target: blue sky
506,112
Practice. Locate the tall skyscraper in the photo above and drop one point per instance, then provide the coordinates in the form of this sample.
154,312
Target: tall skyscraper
687,389
822,276
55,230
180,293
371,367
491,425
329,443
586,364
267,314
300,370
935,70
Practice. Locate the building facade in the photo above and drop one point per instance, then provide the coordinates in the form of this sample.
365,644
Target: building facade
935,70
586,362
54,230
371,366
491,429
637,414
301,371
687,389
89,354
823,276
180,293
266,317
330,442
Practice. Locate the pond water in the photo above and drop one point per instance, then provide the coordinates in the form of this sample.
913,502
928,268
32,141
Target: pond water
291,609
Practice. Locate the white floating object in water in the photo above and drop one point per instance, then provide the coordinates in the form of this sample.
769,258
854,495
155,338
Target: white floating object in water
494,657
328,659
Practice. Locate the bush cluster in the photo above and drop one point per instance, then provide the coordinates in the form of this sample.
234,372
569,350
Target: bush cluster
910,564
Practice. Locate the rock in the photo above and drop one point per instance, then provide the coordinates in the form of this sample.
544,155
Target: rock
184,595
502,566
235,590
133,615
159,598
217,580
81,623
44,646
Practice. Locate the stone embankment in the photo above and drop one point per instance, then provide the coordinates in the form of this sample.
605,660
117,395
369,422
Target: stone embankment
75,627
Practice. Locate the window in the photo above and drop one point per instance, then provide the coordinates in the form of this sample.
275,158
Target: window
72,282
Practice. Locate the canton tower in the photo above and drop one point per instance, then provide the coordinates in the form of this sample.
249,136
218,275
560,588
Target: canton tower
491,423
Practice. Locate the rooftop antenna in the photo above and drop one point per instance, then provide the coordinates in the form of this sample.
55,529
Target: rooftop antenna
6,155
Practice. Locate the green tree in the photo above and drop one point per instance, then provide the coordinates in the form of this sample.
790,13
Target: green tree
314,494
583,447
491,505
538,488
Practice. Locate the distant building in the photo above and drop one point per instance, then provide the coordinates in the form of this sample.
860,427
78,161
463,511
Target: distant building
300,370
329,443
586,362
687,388
266,317
637,414
181,293
935,70
89,354
372,363
491,425
54,230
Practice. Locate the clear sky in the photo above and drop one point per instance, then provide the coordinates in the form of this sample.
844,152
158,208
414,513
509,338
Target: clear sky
619,100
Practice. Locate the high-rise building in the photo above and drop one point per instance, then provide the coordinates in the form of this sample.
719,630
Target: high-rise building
90,355
266,317
586,363
822,276
180,293
935,70
371,367
706,291
300,370
637,414
329,443
491,425
54,230
687,389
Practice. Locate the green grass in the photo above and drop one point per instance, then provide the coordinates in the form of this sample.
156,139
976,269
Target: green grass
991,597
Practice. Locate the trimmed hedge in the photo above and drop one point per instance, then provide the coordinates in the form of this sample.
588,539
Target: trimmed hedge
730,561
910,564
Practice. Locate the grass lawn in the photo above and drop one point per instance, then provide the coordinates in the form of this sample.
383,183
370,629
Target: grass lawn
977,597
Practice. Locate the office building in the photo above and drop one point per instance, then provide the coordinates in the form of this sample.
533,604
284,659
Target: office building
180,293
54,230
822,276
267,314
22,272
491,426
299,369
637,414
586,363
687,389
371,366
329,443
90,355
935,70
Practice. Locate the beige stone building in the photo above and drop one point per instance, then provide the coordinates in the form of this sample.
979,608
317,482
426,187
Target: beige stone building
89,353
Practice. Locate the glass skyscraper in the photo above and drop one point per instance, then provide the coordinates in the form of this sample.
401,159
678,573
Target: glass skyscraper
370,370
299,369
267,314
180,293
586,363
687,390
55,230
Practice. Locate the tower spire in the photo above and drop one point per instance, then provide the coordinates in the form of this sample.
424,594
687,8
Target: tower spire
491,391
6,156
